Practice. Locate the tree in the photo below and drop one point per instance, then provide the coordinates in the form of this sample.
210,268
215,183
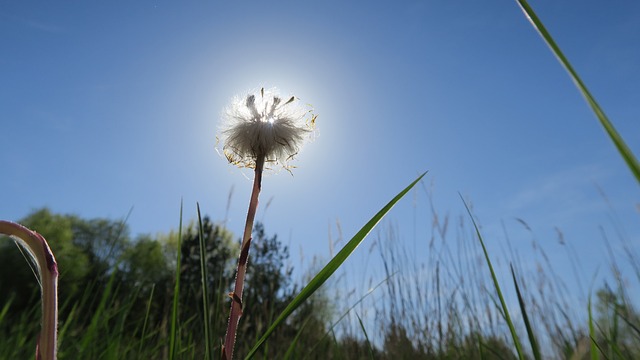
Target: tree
103,241
220,249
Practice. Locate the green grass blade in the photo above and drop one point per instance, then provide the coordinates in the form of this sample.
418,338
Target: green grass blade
622,147
288,355
532,338
332,266
595,353
5,308
70,319
366,337
632,326
505,310
97,319
348,311
176,294
480,347
208,341
146,321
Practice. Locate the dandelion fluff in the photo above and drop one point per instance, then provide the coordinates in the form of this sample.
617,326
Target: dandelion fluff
265,124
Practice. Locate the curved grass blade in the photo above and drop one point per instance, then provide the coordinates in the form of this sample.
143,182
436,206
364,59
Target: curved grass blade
332,266
532,337
505,310
622,147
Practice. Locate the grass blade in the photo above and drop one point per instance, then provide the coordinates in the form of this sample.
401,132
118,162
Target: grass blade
532,338
146,321
347,312
97,319
595,353
5,308
622,147
288,355
505,310
208,341
332,266
176,294
366,337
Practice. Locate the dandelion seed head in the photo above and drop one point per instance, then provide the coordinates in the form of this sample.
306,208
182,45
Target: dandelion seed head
265,124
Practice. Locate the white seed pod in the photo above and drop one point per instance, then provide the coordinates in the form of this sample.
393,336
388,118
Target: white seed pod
263,124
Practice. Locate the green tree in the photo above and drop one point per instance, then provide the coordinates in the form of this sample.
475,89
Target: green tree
104,242
145,263
220,250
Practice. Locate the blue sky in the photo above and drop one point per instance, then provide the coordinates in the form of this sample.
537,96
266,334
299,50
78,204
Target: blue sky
110,106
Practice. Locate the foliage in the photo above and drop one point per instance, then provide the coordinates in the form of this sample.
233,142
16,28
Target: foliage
122,311
73,262
115,305
619,324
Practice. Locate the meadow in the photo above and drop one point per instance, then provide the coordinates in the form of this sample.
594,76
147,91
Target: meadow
166,296
120,298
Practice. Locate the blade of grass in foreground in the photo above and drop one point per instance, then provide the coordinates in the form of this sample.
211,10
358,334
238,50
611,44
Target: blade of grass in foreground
332,266
208,341
176,294
622,147
532,337
505,310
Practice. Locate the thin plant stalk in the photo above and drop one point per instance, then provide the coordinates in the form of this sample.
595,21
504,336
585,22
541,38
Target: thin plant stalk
208,343
176,294
505,310
236,296
532,337
256,128
38,248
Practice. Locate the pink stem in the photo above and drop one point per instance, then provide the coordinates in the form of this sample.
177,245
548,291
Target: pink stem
236,296
38,248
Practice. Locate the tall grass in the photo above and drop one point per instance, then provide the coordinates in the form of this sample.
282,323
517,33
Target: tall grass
440,300
436,300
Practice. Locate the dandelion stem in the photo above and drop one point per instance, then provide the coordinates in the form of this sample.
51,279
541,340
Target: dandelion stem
236,296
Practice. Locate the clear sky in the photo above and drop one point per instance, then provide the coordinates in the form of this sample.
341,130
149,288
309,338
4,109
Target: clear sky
108,106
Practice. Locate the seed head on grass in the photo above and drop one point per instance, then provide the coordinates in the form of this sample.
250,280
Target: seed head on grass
259,128
265,124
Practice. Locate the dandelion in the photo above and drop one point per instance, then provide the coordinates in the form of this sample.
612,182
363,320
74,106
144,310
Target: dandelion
259,128
265,126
